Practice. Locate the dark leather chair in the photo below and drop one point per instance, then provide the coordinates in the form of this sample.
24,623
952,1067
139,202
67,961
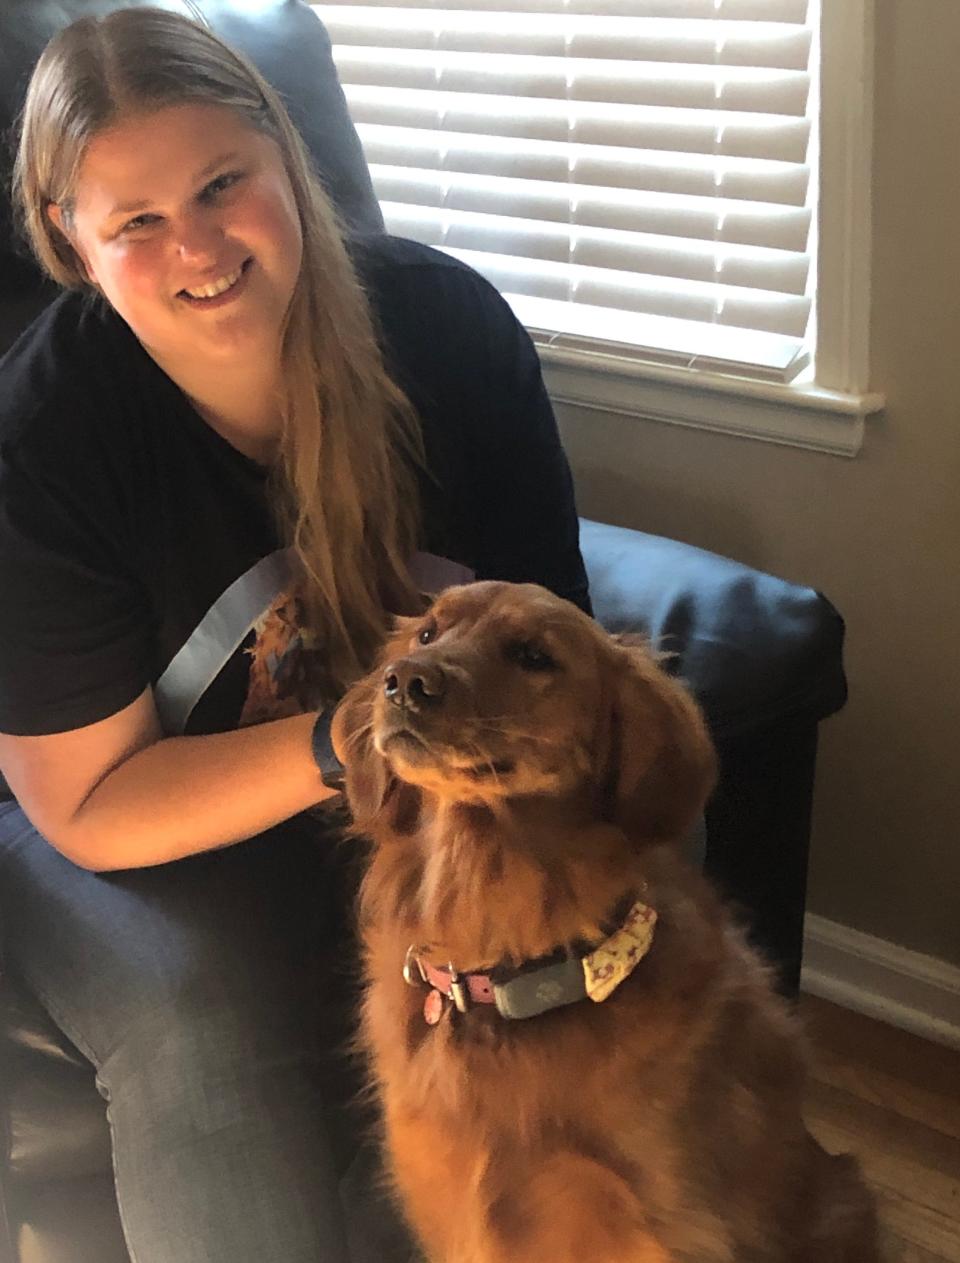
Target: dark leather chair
763,655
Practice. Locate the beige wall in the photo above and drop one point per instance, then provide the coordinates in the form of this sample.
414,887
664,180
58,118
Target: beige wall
879,533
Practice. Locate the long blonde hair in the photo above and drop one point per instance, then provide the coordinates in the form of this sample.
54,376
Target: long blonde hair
344,486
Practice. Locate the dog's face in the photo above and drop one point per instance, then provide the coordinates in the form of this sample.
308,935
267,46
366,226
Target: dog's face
489,695
505,690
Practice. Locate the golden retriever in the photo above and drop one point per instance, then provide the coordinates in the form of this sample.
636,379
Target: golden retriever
526,781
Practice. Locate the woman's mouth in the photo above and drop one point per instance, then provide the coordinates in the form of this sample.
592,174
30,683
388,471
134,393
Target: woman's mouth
217,292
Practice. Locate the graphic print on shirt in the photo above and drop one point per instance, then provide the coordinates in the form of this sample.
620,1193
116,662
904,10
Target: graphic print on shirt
279,679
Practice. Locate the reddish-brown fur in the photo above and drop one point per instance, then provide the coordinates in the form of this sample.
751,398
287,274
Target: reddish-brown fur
513,804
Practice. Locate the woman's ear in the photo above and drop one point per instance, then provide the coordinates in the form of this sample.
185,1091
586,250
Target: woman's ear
55,214
656,765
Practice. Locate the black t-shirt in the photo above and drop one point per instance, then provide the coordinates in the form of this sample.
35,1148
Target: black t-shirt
131,532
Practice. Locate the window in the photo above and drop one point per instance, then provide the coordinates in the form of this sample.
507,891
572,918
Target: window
642,180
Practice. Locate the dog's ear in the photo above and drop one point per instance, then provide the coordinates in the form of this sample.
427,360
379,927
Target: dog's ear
367,774
656,763
373,792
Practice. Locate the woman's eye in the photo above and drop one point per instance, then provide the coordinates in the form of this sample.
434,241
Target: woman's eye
530,656
139,221
426,634
220,184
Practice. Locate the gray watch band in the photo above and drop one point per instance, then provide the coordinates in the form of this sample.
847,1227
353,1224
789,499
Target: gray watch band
331,769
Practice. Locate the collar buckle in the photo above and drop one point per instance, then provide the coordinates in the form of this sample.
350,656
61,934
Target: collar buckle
459,990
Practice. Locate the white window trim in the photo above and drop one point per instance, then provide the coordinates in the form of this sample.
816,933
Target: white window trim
829,416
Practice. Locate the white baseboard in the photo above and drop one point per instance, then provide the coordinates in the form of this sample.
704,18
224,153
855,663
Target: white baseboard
869,975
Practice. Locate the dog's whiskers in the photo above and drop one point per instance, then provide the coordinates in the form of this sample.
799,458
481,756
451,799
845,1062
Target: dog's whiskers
355,737
484,761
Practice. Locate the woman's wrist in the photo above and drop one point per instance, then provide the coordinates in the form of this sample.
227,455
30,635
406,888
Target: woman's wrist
324,755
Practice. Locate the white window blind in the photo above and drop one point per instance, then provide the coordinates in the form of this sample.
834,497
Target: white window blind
636,176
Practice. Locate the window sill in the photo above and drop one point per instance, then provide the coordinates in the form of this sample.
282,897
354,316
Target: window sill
798,415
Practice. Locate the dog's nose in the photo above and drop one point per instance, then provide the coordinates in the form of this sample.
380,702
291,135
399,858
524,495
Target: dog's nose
414,685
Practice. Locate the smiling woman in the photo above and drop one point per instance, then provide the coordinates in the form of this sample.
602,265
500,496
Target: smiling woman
220,452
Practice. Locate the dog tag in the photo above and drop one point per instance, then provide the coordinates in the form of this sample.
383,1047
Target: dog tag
433,1007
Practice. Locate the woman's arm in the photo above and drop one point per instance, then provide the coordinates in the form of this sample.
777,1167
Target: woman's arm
117,794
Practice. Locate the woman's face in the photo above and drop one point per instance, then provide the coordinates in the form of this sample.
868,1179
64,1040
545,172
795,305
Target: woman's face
186,221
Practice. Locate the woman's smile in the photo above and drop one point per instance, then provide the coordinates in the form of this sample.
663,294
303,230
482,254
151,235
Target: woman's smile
220,292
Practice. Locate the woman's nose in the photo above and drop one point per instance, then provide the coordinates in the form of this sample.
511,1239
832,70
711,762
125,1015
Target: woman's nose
199,241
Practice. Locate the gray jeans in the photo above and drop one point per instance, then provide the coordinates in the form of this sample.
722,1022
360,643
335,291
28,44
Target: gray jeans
212,996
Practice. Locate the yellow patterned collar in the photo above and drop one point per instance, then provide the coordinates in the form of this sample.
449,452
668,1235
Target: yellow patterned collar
535,989
607,965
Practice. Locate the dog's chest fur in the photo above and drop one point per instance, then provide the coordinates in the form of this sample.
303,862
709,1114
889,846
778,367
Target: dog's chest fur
508,1085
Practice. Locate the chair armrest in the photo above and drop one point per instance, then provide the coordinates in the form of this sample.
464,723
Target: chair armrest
756,650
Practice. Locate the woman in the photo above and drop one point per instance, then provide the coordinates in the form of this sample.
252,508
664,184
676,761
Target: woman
220,450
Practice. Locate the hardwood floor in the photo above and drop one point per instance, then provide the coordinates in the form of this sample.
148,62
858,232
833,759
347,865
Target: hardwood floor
894,1100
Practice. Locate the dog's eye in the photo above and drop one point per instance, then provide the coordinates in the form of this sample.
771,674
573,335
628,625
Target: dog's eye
528,655
426,634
